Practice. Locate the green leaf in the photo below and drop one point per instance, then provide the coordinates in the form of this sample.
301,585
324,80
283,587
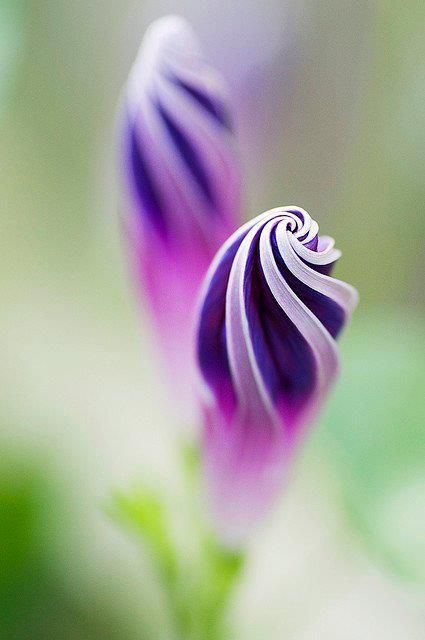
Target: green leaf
144,512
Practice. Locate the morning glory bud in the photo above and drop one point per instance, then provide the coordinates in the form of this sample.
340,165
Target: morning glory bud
183,181
266,348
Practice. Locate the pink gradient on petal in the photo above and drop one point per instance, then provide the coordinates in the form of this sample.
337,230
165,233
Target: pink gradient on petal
169,288
244,469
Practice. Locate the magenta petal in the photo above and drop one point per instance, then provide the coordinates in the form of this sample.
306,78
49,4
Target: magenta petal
244,468
182,182
267,357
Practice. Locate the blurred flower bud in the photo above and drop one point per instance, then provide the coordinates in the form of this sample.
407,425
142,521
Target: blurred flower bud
183,183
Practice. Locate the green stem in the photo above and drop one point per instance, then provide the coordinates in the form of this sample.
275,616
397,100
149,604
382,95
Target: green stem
197,588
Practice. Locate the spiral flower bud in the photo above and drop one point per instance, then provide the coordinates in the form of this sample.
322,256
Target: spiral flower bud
182,178
266,346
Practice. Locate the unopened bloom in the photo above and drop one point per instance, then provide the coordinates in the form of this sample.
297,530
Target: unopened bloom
266,347
183,182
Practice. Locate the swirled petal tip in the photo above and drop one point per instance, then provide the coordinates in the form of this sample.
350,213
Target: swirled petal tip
181,165
269,317
182,180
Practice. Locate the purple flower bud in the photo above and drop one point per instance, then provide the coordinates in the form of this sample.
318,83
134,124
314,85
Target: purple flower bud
182,178
269,317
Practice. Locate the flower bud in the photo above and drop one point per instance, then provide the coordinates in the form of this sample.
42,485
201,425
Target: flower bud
182,180
266,347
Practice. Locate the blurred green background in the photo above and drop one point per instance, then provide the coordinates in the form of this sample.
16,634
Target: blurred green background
329,97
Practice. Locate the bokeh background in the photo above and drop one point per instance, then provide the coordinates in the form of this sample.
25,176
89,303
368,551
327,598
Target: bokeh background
329,99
